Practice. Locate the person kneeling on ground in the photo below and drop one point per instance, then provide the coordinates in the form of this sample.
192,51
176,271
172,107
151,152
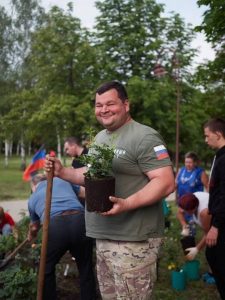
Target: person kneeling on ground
6,222
196,206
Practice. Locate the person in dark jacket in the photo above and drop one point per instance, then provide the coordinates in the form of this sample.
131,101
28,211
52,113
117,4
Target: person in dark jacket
214,131
74,149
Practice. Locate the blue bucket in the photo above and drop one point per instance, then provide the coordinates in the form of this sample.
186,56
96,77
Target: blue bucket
191,269
178,280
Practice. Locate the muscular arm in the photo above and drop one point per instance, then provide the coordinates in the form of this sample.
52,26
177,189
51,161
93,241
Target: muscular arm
160,185
72,175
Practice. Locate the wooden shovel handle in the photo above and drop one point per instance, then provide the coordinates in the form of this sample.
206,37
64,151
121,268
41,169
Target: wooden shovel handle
41,273
12,255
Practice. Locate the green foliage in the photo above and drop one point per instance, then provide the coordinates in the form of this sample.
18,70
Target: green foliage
128,33
18,284
12,185
133,35
7,243
21,227
211,75
213,21
19,279
99,158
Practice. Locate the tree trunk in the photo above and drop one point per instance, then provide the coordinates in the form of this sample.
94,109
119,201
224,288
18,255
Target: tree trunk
11,148
23,159
6,153
59,146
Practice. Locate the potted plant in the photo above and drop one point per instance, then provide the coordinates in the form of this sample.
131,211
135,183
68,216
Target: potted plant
99,181
187,242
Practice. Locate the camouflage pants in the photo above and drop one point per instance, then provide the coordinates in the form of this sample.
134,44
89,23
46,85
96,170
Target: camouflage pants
127,270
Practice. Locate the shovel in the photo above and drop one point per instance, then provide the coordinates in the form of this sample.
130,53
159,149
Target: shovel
48,200
6,260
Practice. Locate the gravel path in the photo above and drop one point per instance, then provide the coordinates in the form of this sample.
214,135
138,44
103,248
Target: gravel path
15,208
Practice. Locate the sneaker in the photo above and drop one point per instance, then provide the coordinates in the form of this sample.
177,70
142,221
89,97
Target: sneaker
211,280
208,278
205,276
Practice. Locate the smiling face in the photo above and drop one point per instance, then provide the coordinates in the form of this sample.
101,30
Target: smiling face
110,110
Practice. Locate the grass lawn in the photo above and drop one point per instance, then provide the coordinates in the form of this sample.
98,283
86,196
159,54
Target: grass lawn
12,186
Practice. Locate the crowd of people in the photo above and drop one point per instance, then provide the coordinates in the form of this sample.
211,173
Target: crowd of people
128,237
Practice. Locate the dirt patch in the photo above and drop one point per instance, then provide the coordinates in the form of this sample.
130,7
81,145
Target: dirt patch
68,285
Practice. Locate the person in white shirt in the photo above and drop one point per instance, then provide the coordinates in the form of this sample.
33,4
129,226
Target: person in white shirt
196,205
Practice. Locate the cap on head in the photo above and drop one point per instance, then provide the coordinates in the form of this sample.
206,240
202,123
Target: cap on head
188,201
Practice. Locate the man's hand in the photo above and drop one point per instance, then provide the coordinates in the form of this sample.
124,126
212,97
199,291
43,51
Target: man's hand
48,164
120,205
192,252
33,230
211,237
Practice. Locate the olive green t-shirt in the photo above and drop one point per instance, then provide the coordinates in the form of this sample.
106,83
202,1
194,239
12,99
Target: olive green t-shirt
138,149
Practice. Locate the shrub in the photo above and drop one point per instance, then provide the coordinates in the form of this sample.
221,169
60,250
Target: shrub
98,160
18,284
7,243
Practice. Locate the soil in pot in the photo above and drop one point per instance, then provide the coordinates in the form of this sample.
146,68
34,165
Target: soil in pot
97,192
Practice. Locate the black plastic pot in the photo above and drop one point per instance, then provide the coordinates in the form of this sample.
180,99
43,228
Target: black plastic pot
187,242
97,192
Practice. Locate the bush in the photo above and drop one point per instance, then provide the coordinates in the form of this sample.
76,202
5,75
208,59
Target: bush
17,283
7,243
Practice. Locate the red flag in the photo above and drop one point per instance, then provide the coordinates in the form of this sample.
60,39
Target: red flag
37,163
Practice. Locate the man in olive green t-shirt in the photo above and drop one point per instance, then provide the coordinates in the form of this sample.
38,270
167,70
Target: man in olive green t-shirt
128,236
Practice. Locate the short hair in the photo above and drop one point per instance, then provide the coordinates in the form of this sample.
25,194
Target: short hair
188,201
216,125
38,178
2,213
72,140
118,86
192,155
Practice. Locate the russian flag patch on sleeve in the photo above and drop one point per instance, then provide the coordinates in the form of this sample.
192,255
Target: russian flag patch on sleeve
161,152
